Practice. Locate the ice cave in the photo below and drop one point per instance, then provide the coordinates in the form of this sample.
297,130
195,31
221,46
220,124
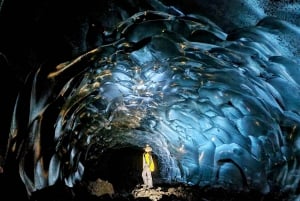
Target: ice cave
212,86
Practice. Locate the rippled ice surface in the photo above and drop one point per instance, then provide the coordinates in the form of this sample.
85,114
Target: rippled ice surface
218,108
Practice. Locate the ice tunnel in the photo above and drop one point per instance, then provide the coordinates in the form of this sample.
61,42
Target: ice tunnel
219,108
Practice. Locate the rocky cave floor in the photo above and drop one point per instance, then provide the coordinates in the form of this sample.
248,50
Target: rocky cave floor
100,190
160,192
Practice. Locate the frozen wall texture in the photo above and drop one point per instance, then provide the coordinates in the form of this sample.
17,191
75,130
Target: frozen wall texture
217,98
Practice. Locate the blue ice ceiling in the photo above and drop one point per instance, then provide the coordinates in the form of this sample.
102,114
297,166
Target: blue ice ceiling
218,107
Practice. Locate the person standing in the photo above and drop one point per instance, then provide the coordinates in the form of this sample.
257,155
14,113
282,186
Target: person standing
148,167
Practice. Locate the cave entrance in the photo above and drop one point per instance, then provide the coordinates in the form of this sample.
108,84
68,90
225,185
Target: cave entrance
121,167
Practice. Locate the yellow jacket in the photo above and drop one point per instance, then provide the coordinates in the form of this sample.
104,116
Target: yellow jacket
148,161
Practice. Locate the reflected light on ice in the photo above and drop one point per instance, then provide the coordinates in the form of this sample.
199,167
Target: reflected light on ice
218,108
